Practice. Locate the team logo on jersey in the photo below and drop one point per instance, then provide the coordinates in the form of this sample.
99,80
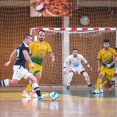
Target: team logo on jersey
41,52
110,54
45,47
107,59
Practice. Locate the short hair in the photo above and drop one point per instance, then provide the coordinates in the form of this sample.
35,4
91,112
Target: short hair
75,49
106,41
26,36
41,31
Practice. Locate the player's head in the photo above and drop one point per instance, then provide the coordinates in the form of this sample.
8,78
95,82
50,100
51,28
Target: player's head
106,44
27,39
75,52
41,35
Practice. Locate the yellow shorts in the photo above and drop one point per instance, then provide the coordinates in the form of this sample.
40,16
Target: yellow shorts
36,69
109,73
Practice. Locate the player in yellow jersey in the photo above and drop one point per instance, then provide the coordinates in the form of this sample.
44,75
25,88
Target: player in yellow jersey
106,65
38,50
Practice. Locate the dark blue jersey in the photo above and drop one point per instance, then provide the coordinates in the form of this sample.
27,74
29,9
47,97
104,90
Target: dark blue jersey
20,60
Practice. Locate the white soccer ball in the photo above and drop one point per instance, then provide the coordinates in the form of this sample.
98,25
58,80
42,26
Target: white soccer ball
54,95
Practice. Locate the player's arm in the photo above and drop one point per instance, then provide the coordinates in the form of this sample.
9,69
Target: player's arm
27,58
113,62
99,64
99,57
114,59
52,56
31,47
85,62
12,56
50,51
66,64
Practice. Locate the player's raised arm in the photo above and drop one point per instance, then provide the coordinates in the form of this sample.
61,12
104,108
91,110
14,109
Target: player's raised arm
12,56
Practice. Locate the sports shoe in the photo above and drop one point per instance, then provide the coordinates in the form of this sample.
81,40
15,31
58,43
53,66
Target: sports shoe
108,86
67,87
90,85
96,91
44,95
101,89
40,98
34,94
25,94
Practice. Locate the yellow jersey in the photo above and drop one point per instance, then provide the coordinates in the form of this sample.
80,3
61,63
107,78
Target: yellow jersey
106,56
38,51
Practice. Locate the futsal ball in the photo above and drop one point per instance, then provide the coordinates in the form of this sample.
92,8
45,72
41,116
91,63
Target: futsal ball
54,96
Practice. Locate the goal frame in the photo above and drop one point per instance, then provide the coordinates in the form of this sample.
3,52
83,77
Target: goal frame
65,38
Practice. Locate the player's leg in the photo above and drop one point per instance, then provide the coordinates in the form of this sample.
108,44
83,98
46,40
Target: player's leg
87,79
8,82
17,75
36,72
99,80
38,76
109,73
109,85
69,79
34,84
80,70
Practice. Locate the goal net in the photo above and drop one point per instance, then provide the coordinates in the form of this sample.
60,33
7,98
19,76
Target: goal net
88,41
15,21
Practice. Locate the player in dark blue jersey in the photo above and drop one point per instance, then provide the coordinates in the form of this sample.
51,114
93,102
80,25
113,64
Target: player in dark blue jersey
22,55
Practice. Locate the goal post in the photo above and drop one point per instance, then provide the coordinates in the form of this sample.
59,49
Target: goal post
88,41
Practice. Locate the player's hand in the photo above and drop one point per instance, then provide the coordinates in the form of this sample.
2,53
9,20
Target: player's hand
64,72
32,66
108,65
98,69
90,68
7,64
53,59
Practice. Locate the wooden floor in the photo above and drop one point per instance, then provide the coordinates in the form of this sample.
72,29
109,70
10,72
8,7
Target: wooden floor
76,102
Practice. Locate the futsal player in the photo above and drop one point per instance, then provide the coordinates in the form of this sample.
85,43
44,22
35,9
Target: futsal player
38,50
74,61
19,68
107,58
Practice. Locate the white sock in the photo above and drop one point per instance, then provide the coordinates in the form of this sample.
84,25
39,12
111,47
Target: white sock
69,78
85,74
4,82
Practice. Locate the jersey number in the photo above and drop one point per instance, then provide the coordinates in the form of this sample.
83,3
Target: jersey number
17,54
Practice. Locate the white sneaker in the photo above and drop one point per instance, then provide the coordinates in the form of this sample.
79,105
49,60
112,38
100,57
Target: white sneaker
24,94
34,94
44,95
96,91
101,89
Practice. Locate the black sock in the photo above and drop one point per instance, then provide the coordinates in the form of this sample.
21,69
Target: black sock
2,83
37,90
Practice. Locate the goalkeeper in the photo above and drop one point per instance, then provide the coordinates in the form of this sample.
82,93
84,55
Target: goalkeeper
74,61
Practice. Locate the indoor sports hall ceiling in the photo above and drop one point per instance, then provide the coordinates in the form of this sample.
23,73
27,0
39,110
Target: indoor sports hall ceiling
77,3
